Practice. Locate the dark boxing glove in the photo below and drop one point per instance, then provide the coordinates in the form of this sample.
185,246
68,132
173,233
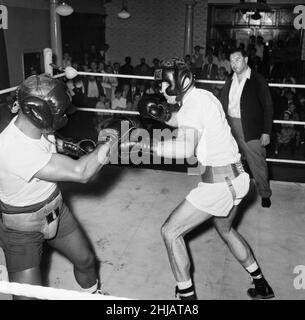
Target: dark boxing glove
123,134
75,149
136,144
155,107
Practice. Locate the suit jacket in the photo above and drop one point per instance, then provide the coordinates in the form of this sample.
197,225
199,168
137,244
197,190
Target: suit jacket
99,87
256,106
213,72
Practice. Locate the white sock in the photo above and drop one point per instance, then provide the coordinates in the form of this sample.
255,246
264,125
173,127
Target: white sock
185,284
252,267
91,289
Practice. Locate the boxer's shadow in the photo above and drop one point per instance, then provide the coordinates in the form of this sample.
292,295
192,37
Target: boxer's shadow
247,202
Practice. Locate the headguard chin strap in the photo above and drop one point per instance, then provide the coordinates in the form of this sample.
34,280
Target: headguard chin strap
177,74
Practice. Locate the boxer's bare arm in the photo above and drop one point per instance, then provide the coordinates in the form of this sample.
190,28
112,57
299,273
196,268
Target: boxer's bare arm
183,146
63,168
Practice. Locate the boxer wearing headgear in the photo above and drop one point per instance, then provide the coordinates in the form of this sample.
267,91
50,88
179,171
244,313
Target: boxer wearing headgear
202,131
177,74
31,206
44,101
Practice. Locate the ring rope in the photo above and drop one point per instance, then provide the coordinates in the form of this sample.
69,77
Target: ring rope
280,85
109,111
49,293
97,74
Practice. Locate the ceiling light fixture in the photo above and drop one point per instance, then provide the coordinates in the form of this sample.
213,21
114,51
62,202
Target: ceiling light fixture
124,14
252,8
64,9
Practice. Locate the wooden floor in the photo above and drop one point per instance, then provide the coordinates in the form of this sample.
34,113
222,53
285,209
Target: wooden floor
123,209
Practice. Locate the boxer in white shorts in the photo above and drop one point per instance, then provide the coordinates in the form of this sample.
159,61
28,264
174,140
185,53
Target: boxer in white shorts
202,131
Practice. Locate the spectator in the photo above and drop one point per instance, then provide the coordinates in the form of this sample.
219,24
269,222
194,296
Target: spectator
137,98
101,67
151,87
142,69
86,59
127,68
129,106
251,44
209,70
133,89
224,62
119,102
93,67
101,103
188,61
254,61
104,55
109,84
156,65
197,61
210,53
287,138
67,60
92,91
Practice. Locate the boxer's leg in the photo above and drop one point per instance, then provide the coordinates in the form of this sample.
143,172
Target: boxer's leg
244,255
182,220
236,243
29,276
76,248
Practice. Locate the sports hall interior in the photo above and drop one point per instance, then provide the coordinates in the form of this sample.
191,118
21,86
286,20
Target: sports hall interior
123,207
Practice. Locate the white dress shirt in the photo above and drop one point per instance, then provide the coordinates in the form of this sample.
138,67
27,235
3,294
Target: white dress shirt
235,93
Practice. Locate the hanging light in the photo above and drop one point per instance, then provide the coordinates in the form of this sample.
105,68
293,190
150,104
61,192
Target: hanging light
124,14
256,15
252,8
64,9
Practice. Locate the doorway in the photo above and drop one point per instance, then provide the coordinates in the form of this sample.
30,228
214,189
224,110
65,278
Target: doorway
80,31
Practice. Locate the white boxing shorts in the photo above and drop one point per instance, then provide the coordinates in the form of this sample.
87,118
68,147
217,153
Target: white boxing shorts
216,198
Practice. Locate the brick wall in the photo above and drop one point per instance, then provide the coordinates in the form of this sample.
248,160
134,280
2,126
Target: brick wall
152,30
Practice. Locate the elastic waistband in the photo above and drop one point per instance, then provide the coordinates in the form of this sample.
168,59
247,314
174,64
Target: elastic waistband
219,174
6,208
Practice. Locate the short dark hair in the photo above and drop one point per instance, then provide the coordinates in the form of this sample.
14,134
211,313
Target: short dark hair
242,51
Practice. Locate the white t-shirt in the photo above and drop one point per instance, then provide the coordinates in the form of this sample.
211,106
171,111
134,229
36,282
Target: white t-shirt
202,111
92,89
119,103
21,157
235,94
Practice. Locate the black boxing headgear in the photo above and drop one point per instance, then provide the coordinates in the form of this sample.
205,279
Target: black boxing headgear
44,101
177,74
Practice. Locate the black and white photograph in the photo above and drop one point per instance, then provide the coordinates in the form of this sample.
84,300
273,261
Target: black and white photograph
152,150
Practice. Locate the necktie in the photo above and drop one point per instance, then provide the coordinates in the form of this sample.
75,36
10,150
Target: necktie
209,70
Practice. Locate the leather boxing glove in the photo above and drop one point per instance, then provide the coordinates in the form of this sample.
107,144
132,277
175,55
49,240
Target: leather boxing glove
122,134
134,145
75,149
154,107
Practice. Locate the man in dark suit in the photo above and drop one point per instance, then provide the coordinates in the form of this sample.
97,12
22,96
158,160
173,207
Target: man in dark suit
209,70
247,102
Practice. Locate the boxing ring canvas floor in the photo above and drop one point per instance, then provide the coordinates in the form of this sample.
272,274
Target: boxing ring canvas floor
123,209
